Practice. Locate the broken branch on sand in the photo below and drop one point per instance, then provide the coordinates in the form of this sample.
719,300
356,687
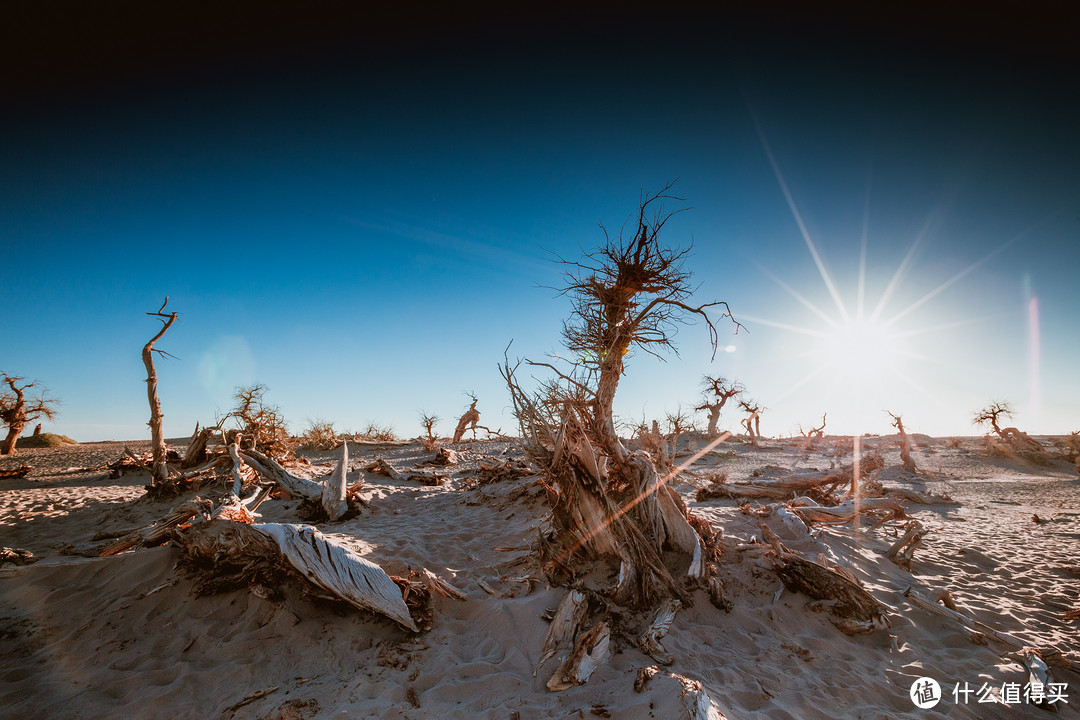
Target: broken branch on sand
158,533
903,549
855,610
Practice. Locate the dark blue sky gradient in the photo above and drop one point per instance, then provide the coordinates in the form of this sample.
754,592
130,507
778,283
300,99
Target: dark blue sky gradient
354,207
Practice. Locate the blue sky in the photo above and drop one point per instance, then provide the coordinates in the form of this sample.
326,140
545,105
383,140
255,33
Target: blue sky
364,225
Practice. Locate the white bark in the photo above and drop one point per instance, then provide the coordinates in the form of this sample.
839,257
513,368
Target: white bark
334,487
339,570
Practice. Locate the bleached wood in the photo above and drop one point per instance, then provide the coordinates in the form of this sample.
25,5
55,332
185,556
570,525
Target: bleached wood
382,467
650,640
846,511
436,583
156,533
340,571
591,650
568,616
333,492
271,471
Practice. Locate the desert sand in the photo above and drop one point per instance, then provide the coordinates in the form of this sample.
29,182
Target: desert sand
126,636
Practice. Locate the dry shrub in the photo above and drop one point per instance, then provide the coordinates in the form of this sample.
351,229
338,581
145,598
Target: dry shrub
260,425
377,433
715,489
320,435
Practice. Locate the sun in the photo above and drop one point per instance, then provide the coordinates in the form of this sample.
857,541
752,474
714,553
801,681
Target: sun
858,347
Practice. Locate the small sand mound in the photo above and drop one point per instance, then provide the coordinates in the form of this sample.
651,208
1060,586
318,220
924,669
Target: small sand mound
44,440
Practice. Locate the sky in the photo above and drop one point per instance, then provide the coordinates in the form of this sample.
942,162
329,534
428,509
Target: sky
361,209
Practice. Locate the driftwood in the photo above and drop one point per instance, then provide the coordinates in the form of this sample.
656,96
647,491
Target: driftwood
877,508
919,497
697,705
159,532
339,570
650,639
431,479
271,471
492,470
382,467
19,472
903,549
981,633
563,626
241,549
591,650
795,484
437,584
443,456
196,451
855,610
1038,676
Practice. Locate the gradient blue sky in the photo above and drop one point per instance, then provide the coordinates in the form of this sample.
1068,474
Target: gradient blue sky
355,210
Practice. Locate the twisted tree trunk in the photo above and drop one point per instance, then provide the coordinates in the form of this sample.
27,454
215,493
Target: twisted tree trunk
157,439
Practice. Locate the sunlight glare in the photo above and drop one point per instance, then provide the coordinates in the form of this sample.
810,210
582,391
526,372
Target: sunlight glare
859,347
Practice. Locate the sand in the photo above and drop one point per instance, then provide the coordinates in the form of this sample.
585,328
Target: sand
126,636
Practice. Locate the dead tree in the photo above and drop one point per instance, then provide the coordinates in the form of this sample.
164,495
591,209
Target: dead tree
1016,441
752,421
630,293
717,392
471,417
157,437
905,444
814,433
428,423
16,410
990,415
431,442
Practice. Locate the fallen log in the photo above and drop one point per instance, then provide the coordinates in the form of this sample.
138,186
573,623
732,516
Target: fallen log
857,610
874,508
243,551
339,570
158,533
919,497
795,484
382,467
431,479
981,632
271,471
19,472
443,456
